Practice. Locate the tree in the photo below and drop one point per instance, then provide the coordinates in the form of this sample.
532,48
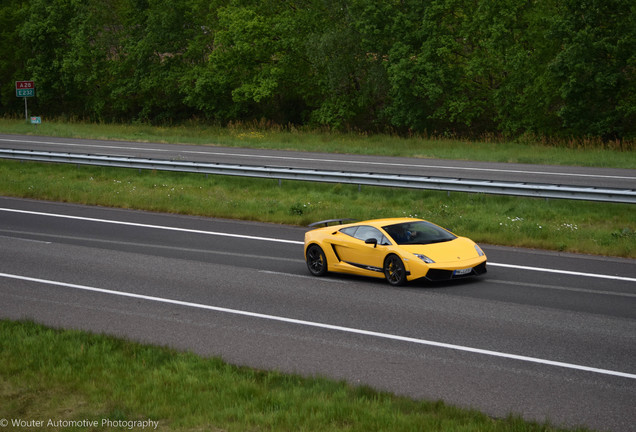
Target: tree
550,68
13,54
594,69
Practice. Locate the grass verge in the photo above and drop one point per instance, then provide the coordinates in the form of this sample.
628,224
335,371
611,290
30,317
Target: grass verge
73,376
563,225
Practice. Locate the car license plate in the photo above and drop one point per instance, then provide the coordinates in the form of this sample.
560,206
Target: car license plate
462,272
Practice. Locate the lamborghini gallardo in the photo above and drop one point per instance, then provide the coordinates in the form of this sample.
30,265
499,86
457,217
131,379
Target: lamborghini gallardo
398,249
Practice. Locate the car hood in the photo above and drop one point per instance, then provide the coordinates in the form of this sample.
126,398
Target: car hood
455,250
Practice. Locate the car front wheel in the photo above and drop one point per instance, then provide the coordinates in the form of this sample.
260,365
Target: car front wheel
394,270
316,260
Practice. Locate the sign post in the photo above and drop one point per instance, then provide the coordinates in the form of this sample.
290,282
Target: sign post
25,89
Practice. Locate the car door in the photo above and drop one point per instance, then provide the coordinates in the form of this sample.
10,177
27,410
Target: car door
352,248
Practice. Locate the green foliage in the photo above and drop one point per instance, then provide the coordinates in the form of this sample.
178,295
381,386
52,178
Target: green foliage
13,54
555,69
595,67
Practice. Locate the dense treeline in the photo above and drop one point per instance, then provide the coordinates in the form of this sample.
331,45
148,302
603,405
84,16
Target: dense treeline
550,68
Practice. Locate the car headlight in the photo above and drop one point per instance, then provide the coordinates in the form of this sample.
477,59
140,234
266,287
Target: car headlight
424,258
479,251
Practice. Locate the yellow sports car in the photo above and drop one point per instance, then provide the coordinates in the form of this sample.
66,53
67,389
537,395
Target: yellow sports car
399,249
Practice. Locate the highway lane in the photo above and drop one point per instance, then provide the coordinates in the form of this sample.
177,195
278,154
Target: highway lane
230,288
579,176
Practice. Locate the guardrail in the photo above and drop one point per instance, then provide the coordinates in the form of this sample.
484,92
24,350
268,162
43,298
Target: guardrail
371,179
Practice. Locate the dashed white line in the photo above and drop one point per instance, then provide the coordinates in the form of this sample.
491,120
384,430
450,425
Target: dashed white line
293,275
26,239
559,288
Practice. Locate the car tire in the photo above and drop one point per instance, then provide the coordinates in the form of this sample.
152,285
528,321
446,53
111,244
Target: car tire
394,270
316,260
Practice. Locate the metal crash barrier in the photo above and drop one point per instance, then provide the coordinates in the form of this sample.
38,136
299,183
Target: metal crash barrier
539,190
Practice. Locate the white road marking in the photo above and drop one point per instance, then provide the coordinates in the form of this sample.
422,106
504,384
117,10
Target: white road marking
558,288
307,159
326,326
140,225
25,239
313,278
146,245
271,239
566,272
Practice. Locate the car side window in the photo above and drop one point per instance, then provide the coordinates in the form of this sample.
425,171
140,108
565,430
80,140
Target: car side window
349,231
365,232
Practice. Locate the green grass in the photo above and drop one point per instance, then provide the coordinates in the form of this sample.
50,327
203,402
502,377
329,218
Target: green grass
574,226
50,374
522,150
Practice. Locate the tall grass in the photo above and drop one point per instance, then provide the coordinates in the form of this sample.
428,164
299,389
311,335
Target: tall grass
50,374
575,226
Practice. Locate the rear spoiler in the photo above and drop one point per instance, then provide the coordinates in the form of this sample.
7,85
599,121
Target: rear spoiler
330,221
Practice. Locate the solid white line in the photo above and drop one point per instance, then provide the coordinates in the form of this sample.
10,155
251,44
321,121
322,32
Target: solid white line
566,272
270,239
140,225
307,159
327,326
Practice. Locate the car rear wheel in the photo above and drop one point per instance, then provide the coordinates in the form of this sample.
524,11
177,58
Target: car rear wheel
316,260
394,270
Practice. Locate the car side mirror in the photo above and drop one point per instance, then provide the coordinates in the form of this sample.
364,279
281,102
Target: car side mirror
372,241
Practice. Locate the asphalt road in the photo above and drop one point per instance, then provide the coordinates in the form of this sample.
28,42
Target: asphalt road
560,175
547,336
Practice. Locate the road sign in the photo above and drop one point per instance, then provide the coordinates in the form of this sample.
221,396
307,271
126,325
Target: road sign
36,120
24,85
26,92
25,89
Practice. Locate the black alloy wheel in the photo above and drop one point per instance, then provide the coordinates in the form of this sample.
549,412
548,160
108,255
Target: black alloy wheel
316,260
394,270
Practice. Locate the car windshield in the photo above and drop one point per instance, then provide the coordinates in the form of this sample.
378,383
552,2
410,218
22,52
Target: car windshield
418,232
